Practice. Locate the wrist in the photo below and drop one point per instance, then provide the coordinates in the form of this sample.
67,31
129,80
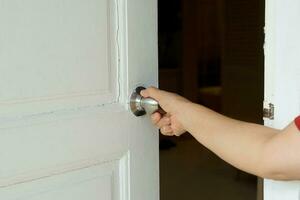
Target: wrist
182,113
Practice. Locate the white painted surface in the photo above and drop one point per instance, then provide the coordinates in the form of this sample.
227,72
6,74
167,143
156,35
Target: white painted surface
282,78
57,50
67,69
94,183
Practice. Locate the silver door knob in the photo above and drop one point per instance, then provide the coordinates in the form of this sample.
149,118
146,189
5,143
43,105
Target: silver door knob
140,106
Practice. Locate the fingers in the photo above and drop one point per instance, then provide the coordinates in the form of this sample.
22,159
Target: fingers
159,120
155,117
166,125
165,121
151,92
166,130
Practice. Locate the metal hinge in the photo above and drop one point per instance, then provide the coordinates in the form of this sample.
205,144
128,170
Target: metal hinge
269,109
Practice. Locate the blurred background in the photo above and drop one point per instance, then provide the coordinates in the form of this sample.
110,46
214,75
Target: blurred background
211,52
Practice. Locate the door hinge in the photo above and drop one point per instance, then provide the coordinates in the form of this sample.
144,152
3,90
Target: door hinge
269,109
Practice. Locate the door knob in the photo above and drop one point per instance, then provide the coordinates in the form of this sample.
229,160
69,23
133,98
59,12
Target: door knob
140,106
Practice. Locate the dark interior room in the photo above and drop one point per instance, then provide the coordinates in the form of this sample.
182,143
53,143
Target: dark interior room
211,52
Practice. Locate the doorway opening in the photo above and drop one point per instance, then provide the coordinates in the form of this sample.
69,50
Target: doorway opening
211,52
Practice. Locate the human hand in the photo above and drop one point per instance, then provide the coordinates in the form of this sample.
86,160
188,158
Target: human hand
168,123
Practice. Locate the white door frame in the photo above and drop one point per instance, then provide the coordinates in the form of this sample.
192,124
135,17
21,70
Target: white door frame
282,78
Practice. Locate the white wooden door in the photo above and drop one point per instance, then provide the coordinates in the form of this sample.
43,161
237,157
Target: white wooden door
67,68
282,78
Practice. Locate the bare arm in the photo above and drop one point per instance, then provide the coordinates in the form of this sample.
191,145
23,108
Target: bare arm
259,150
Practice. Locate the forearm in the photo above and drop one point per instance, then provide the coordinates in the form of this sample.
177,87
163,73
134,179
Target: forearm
259,150
239,143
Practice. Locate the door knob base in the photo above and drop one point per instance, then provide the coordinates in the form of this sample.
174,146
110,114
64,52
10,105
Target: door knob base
140,106
135,102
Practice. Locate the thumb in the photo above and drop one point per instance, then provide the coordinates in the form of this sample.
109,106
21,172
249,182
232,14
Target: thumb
152,92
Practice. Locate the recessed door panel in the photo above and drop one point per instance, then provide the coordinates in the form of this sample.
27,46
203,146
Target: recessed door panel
102,181
50,50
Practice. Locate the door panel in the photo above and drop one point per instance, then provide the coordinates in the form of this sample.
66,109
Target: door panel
58,50
67,69
85,139
96,182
